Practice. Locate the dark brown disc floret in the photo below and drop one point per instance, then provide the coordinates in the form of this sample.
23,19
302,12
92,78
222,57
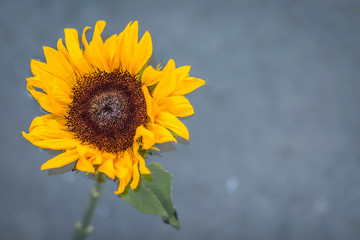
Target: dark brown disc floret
106,109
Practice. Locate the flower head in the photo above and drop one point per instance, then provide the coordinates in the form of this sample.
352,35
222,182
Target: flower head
106,105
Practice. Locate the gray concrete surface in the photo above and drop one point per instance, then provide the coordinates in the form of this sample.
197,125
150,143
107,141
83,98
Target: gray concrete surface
274,151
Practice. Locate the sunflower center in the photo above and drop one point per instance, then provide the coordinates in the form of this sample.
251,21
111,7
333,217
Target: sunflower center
106,109
109,107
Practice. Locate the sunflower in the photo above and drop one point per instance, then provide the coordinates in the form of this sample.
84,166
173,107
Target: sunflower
106,106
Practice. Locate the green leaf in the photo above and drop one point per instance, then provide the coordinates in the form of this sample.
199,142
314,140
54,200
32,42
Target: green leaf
154,195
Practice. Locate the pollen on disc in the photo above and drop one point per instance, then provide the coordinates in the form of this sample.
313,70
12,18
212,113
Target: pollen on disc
106,109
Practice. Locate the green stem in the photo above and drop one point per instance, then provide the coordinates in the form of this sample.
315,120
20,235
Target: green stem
83,228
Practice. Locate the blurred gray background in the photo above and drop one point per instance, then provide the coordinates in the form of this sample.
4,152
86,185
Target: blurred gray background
274,150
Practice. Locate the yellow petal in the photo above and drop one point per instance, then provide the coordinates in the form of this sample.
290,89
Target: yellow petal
142,167
76,54
59,65
61,160
56,87
84,165
56,144
49,133
39,121
35,82
177,105
94,56
110,46
108,168
87,151
94,52
171,122
141,54
121,187
49,120
128,44
96,160
61,48
99,28
83,37
41,97
46,102
123,182
149,103
162,134
115,60
37,67
167,83
150,76
182,72
123,165
148,138
188,85
136,176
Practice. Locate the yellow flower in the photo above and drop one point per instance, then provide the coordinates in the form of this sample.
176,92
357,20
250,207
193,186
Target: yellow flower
106,104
